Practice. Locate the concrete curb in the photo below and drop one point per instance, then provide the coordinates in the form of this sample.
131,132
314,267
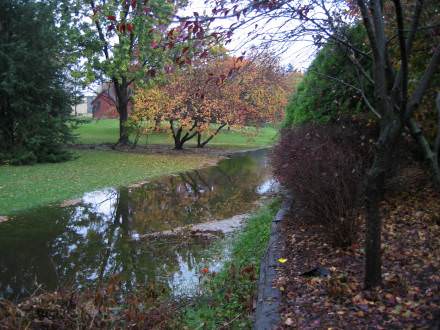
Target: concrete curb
267,314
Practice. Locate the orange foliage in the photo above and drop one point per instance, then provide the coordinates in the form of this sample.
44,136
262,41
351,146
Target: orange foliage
224,91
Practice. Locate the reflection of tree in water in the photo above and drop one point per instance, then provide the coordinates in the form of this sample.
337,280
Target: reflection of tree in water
89,243
109,249
88,247
26,251
214,193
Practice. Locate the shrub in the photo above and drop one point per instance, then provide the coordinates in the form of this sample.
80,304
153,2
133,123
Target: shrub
323,166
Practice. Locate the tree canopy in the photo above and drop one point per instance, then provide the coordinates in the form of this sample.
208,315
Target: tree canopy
212,94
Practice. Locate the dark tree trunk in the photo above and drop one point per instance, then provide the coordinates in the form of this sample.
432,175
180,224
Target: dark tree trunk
199,140
123,129
436,170
431,157
157,122
7,126
178,145
122,99
201,144
180,140
374,191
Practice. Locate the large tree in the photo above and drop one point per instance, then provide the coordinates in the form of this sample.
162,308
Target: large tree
122,43
393,28
34,99
214,93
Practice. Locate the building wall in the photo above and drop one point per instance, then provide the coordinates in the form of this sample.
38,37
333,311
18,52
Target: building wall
104,108
84,108
79,109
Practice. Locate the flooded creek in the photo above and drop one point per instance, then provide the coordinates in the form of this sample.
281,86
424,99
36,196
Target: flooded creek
113,231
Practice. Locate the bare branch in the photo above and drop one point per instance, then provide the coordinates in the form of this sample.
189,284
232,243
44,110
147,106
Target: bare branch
437,139
367,22
405,49
100,33
423,84
357,89
414,26
402,77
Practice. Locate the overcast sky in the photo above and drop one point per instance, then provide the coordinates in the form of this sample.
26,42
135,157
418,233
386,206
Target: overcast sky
299,53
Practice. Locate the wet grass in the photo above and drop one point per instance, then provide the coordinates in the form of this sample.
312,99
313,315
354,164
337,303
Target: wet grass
228,296
107,130
23,187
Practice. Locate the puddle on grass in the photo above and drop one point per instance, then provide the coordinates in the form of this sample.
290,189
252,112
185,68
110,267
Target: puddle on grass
106,233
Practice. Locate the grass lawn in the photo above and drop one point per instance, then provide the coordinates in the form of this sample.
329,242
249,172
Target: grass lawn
22,187
107,131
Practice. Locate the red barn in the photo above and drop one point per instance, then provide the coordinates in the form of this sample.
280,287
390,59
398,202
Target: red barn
104,104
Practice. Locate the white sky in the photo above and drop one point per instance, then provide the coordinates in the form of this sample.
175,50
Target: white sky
299,53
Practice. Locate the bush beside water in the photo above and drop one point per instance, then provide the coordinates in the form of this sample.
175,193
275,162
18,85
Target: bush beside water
323,166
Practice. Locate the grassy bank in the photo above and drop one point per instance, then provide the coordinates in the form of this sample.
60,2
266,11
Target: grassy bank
107,130
227,301
22,187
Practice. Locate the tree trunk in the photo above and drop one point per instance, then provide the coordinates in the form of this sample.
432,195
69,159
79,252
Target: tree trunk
201,144
178,145
180,140
122,98
429,154
123,129
7,126
374,191
436,170
199,140
157,122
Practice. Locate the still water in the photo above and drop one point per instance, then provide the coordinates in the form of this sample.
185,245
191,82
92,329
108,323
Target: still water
103,235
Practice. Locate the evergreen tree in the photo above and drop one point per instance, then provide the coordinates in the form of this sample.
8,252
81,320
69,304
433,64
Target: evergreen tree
332,86
35,103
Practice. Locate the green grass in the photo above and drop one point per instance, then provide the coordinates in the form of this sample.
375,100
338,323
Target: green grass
28,186
228,296
22,187
107,130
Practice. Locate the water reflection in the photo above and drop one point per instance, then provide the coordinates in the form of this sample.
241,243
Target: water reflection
87,243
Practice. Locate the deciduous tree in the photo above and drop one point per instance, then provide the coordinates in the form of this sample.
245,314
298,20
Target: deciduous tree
212,94
123,42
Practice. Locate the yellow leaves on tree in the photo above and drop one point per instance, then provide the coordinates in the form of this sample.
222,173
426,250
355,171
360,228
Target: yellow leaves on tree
202,99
